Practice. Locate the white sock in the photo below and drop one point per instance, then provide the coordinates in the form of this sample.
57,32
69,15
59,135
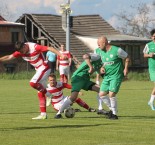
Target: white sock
113,101
152,99
99,103
65,105
106,100
97,82
43,113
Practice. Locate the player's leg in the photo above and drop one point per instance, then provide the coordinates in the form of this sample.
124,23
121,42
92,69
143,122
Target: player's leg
39,82
42,105
66,73
66,104
77,85
61,72
152,98
83,104
113,90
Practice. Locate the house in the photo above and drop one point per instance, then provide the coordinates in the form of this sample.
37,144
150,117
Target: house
47,29
10,32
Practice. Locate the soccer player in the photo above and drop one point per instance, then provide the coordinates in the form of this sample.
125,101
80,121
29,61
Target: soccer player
64,64
112,58
81,79
55,88
149,52
32,53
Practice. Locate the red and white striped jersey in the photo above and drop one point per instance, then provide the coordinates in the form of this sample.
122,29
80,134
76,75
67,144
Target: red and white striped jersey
57,91
35,56
64,62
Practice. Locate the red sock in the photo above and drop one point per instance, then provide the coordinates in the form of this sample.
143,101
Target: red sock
62,78
65,79
42,101
81,103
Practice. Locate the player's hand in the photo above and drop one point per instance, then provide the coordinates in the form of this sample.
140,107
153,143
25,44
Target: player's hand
80,93
91,70
102,71
64,57
151,54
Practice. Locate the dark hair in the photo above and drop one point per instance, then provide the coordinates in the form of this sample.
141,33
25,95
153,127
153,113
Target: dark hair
52,75
19,45
152,32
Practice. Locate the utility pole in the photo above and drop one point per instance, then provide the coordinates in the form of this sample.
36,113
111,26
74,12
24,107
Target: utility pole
66,11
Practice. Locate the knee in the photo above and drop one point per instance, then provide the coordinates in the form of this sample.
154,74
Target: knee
33,85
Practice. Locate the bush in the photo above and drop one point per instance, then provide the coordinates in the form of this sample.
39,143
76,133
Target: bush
139,76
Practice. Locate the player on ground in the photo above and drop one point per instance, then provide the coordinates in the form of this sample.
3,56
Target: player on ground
55,88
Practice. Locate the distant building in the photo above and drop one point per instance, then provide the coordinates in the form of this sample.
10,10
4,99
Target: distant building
10,32
47,29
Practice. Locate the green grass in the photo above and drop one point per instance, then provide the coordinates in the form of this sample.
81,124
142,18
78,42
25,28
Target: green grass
19,103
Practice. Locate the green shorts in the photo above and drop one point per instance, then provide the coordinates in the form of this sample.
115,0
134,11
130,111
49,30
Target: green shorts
79,83
152,75
110,85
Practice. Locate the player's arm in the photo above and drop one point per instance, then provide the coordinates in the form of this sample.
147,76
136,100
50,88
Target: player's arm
57,63
87,59
52,49
7,58
146,52
68,86
122,54
56,52
126,66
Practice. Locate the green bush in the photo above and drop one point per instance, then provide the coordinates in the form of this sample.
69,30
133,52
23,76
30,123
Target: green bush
137,76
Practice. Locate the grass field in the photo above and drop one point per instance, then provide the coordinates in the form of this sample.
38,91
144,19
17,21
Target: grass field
19,103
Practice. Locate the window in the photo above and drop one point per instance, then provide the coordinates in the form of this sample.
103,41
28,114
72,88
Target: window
15,37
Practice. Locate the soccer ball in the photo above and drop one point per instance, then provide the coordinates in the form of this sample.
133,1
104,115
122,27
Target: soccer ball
69,112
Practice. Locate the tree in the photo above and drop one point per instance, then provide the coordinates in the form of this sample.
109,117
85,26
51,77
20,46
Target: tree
4,11
139,22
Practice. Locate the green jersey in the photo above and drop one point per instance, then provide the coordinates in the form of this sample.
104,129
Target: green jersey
82,71
150,48
113,63
97,51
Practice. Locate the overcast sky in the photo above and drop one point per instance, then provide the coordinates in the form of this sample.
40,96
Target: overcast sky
105,8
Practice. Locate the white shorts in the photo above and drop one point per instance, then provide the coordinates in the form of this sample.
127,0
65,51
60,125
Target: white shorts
64,70
58,105
41,75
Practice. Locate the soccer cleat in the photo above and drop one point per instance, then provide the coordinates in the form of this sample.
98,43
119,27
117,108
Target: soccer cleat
48,101
77,110
92,110
58,116
109,114
40,117
113,117
102,112
151,105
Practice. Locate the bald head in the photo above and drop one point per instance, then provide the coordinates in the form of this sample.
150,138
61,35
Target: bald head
102,42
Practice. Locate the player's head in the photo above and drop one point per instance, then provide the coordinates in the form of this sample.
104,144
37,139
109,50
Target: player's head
102,42
62,47
52,80
153,34
21,47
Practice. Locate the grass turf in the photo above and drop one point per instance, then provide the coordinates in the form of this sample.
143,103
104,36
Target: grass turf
19,103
